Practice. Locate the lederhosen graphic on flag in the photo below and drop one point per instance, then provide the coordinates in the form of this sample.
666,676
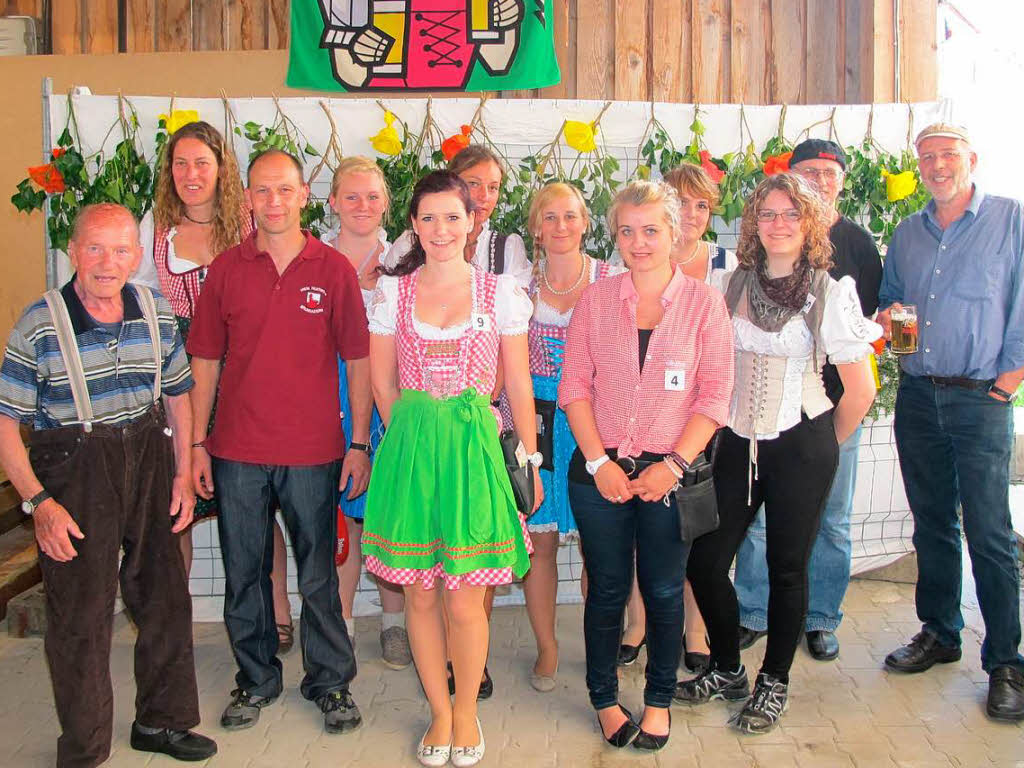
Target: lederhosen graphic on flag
457,45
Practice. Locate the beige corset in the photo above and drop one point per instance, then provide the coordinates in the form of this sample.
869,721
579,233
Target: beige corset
757,397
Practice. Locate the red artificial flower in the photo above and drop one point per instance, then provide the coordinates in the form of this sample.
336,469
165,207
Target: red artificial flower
57,152
47,177
451,146
712,170
878,345
777,164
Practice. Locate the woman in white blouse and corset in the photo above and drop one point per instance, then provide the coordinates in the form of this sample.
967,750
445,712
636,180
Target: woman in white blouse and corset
781,445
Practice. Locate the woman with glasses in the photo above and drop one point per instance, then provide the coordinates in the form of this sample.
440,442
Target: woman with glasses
199,211
781,446
645,383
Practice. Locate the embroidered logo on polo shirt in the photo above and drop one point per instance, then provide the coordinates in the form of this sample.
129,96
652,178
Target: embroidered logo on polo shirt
313,298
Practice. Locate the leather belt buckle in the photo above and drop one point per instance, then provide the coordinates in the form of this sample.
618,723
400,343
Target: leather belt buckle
628,465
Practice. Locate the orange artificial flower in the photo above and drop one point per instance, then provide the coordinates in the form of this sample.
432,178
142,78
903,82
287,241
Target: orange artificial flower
57,152
47,177
777,164
710,168
878,345
451,146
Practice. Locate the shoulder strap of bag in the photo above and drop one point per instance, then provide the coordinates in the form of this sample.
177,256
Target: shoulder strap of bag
72,359
148,305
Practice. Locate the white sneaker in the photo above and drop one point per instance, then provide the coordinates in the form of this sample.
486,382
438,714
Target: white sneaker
432,755
463,757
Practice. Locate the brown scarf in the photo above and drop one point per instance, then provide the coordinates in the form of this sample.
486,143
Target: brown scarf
773,302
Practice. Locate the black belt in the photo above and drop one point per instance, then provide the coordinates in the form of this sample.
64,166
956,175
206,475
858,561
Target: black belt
980,385
631,465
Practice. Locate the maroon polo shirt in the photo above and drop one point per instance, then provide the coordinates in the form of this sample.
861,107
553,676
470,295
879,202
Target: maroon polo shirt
280,337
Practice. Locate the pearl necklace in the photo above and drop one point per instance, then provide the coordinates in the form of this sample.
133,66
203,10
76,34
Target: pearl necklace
691,257
567,291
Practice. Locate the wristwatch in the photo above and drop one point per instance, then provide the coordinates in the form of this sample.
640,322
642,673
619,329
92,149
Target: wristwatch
536,458
593,466
364,447
29,505
1001,393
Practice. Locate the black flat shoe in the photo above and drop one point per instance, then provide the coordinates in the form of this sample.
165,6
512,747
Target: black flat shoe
626,732
1005,694
486,686
921,653
650,742
750,636
628,653
693,661
822,644
181,745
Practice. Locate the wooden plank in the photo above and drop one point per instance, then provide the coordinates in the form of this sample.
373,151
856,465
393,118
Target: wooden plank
278,25
824,62
208,26
884,69
918,50
631,81
595,49
710,51
564,19
66,33
22,8
788,33
247,24
141,20
101,27
750,52
670,50
859,66
174,25
19,563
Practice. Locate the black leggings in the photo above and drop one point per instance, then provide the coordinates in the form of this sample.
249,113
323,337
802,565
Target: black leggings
794,475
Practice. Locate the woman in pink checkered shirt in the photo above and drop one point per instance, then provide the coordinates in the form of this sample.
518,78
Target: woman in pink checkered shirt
646,382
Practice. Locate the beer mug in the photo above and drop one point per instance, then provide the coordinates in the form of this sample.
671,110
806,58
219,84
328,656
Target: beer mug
904,330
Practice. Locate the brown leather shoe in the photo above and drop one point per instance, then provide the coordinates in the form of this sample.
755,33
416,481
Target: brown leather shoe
1005,694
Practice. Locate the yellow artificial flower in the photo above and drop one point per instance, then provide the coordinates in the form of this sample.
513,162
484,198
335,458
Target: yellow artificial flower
899,185
580,136
386,140
178,118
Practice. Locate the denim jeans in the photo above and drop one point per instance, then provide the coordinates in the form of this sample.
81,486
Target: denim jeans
954,446
308,497
609,535
828,573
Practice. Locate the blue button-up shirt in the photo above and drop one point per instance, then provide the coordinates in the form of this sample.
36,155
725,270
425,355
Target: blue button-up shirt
967,283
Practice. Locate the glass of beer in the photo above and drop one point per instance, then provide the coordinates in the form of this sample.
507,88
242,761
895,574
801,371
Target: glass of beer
904,330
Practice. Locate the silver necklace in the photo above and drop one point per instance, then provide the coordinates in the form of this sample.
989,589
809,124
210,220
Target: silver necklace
691,257
567,291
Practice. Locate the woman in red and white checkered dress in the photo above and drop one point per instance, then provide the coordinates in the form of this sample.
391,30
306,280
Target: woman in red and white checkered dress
440,505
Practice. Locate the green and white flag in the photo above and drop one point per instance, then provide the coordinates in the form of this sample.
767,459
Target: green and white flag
422,45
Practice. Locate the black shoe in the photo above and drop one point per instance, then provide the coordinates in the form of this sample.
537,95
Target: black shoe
626,733
921,653
1005,694
341,714
763,709
628,653
750,636
693,661
244,710
181,745
822,644
486,685
649,741
713,684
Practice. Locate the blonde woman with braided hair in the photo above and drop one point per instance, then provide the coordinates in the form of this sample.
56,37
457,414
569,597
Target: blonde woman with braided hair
199,211
558,223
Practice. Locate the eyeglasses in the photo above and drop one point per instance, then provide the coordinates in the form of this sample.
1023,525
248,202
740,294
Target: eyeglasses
827,174
767,217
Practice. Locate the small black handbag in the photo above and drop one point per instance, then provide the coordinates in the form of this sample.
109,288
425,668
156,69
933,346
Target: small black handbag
546,431
520,473
695,499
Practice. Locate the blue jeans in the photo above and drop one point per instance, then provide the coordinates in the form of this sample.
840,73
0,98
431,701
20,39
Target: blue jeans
954,446
828,573
609,535
308,497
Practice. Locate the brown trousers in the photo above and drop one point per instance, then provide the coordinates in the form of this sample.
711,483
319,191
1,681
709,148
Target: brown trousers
116,484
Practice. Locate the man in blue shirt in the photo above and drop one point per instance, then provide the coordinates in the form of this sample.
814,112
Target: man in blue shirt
961,262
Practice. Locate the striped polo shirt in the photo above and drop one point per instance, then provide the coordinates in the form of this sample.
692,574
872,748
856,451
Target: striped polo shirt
119,370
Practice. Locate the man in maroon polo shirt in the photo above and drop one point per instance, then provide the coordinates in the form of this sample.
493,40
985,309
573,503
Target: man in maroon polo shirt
278,309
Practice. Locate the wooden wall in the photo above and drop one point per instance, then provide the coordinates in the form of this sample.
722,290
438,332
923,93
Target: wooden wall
710,51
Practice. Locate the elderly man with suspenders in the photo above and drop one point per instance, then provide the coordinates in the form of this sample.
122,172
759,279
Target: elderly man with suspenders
87,366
